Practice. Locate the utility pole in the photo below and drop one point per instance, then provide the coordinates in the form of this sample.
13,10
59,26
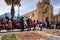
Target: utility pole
19,9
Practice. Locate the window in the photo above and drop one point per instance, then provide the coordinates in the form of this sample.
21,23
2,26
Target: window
46,19
46,10
32,14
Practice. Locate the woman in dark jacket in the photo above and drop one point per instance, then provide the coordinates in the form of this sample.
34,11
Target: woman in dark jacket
22,24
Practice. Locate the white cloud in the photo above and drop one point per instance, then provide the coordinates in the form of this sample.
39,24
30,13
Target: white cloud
3,7
26,6
56,9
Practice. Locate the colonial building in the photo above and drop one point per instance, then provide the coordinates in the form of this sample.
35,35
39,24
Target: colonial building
57,17
43,12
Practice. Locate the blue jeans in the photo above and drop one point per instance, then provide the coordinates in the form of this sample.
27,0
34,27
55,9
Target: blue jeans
29,26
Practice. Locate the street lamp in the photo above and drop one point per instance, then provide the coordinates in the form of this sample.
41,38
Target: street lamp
18,17
19,10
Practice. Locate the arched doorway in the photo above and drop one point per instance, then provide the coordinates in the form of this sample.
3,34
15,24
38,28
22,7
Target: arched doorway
46,19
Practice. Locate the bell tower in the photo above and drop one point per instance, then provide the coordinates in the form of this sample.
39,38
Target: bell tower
38,5
46,1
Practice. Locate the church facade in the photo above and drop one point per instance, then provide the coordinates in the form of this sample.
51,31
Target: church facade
43,12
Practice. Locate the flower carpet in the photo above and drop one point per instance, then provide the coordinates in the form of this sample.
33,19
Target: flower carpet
31,35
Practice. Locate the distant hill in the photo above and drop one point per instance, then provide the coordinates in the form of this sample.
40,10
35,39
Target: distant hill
8,14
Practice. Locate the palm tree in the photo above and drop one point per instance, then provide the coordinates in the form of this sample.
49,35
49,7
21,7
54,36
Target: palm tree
13,3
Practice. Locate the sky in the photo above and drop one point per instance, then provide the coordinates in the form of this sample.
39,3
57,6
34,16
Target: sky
27,6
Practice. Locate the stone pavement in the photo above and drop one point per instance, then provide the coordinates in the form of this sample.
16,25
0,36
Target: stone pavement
52,38
16,31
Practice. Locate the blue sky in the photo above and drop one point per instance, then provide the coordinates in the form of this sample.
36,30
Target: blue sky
27,6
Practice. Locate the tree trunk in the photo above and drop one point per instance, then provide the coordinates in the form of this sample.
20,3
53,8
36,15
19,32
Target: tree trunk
12,13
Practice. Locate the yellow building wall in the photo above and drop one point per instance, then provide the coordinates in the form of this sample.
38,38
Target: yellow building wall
59,18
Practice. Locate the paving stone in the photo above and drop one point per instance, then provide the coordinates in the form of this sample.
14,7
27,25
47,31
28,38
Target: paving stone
52,38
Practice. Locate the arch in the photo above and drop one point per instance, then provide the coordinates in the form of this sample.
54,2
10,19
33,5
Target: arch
46,9
46,19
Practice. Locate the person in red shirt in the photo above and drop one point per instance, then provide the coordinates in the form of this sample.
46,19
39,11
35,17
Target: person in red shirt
28,20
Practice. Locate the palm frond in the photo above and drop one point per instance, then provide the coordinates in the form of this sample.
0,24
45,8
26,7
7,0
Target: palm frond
15,2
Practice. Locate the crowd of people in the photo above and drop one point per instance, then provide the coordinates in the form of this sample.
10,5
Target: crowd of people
8,24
